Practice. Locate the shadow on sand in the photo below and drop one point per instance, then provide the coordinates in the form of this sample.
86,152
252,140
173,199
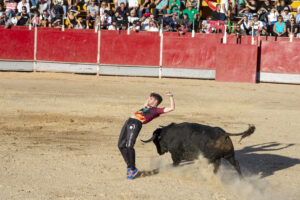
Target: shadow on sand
257,161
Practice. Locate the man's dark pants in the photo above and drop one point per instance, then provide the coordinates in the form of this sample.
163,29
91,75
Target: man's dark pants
128,135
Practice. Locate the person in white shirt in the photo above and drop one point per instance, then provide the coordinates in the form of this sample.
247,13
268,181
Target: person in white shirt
132,17
21,4
286,14
103,8
224,7
272,17
256,24
133,4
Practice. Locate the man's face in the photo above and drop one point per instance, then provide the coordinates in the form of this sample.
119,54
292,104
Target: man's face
218,8
122,5
190,7
255,19
23,1
93,3
24,10
282,3
152,102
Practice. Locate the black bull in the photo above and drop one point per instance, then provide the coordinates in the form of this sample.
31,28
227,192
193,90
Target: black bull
186,141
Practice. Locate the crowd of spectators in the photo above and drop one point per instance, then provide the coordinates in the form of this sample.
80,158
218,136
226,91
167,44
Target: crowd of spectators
244,17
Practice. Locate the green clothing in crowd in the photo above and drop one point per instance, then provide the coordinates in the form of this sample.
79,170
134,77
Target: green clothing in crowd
190,13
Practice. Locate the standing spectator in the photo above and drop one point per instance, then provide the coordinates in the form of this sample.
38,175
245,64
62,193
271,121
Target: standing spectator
292,28
272,17
256,25
217,15
133,4
286,15
11,8
123,11
21,4
279,28
92,11
35,21
45,19
282,5
298,15
191,12
161,8
252,5
118,3
144,7
23,17
224,7
244,23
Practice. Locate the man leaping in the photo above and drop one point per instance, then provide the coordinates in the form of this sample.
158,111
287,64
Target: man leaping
133,125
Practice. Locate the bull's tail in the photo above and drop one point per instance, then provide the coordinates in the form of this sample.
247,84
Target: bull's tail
244,134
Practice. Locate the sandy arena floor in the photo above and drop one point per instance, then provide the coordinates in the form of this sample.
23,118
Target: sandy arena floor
59,133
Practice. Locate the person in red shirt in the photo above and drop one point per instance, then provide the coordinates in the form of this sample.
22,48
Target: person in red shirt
133,126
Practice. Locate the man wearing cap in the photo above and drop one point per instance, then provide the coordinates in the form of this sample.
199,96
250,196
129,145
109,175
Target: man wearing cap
133,126
256,24
23,17
286,14
191,12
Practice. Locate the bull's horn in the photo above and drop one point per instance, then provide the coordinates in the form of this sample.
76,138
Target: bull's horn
149,140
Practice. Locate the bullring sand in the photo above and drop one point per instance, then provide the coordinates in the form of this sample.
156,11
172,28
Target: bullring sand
59,133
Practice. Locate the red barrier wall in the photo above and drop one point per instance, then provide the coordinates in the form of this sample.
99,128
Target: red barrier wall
16,44
280,57
183,52
236,63
135,49
67,46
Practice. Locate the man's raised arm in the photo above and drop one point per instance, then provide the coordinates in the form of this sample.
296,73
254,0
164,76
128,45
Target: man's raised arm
172,103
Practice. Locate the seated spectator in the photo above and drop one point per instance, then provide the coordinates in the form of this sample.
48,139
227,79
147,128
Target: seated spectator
23,17
133,4
186,22
57,23
45,19
206,25
298,15
160,8
35,21
123,27
105,20
272,17
135,27
144,7
73,22
217,15
132,18
182,29
5,21
11,8
113,26
264,31
286,15
1,10
252,5
256,25
283,5
118,3
123,10
191,12
171,20
174,6
145,20
279,28
21,4
246,12
292,28
103,8
265,10
167,28
92,11
119,19
244,23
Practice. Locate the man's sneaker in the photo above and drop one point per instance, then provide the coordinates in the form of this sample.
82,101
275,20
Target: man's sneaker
132,173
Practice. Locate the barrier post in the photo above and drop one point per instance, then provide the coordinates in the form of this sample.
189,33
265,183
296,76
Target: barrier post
160,56
35,49
252,37
225,35
128,30
63,23
193,31
98,53
291,37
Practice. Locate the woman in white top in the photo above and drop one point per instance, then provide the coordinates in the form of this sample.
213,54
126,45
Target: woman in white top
272,17
245,25
132,17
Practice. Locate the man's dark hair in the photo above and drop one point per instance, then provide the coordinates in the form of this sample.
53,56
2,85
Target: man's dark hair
157,97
